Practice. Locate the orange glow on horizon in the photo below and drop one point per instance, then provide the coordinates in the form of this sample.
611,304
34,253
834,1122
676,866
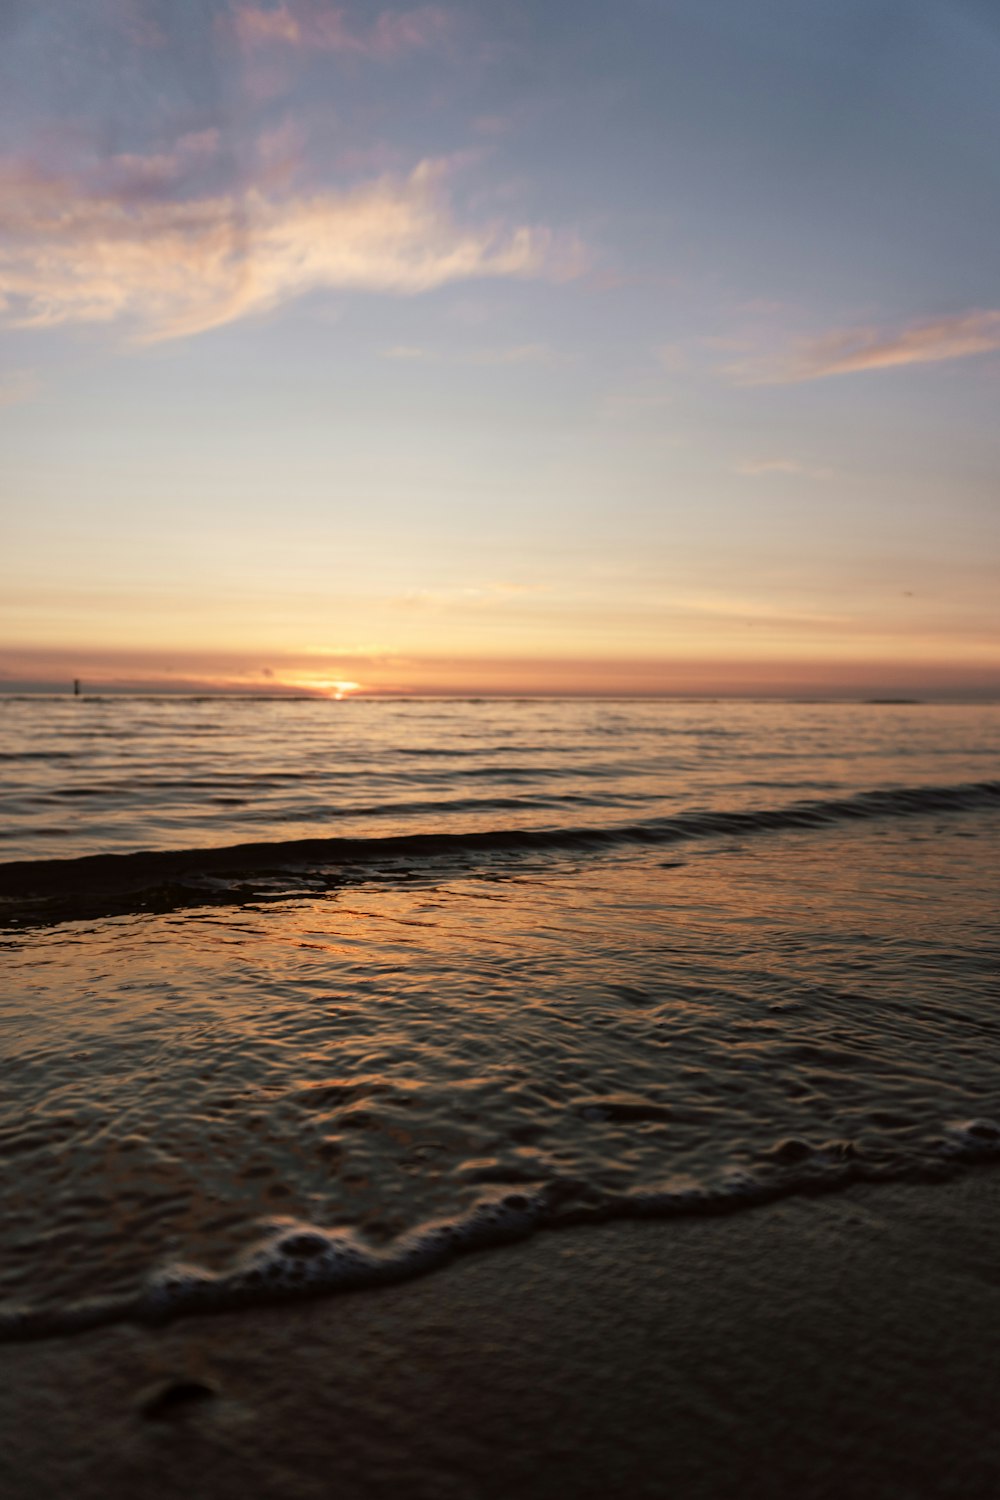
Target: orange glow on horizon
319,686
468,675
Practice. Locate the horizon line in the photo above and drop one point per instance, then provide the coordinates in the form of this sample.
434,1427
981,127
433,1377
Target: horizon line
885,699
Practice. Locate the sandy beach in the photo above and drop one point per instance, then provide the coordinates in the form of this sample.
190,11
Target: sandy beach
842,1345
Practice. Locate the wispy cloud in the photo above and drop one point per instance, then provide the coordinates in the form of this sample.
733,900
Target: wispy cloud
755,467
316,26
849,351
170,268
134,175
258,28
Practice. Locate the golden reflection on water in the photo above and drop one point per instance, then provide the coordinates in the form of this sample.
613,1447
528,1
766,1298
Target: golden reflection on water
115,774
382,1056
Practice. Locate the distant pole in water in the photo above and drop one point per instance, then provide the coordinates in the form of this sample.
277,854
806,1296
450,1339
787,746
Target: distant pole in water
76,687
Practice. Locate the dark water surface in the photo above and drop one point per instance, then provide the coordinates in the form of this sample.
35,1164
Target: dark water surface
89,776
576,960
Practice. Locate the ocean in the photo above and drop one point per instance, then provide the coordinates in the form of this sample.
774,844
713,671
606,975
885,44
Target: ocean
300,996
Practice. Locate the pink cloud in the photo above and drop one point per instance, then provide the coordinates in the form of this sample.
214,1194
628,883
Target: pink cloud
315,26
256,27
168,268
141,174
280,155
141,28
409,31
753,468
922,343
852,350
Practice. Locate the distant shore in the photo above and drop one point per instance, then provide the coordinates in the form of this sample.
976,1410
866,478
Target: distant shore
842,1346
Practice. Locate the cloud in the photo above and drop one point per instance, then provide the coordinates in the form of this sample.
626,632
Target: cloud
132,19
753,467
315,26
171,268
256,27
405,31
848,351
131,175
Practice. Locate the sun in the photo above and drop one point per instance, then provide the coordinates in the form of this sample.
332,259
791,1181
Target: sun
317,686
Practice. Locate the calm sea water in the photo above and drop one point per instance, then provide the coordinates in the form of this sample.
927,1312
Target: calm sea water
538,963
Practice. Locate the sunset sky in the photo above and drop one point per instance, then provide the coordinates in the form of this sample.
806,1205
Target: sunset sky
559,346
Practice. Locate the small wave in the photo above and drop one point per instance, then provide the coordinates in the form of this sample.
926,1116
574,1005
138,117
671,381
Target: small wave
37,833
32,755
132,872
295,1260
456,752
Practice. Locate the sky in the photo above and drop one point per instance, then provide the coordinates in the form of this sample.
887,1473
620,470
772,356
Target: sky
551,347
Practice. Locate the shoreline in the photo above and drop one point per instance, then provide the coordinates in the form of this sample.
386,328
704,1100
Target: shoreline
841,1345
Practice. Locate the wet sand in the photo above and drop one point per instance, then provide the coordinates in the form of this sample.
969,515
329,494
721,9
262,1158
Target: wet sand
837,1346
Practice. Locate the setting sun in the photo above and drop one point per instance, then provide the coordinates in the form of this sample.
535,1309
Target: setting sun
317,685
